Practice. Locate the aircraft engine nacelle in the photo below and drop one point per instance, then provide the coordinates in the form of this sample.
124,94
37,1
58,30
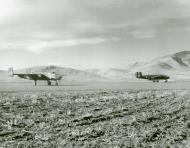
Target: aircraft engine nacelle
10,72
52,76
27,77
138,74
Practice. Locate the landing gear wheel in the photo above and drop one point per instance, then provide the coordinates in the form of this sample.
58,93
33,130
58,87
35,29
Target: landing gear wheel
153,81
49,83
166,81
157,81
35,83
56,83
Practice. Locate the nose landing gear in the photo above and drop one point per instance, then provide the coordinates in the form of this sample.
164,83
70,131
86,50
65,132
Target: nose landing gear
35,82
49,83
156,81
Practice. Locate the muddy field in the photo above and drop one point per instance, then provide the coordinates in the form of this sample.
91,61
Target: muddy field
95,118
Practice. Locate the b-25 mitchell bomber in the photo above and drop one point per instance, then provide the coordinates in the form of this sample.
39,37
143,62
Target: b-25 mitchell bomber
49,77
154,78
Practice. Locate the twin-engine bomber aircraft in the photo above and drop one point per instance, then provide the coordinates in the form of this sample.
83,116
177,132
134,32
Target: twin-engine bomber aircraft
154,78
49,77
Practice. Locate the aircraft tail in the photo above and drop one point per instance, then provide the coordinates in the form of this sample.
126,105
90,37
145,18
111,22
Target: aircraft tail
10,72
138,74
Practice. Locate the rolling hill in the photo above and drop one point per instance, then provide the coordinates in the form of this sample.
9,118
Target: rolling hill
69,74
177,66
111,73
175,62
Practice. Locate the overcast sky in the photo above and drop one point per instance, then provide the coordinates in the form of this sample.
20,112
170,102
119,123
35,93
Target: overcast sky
91,33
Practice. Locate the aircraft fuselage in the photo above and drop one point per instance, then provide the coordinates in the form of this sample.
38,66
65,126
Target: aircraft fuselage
154,78
49,77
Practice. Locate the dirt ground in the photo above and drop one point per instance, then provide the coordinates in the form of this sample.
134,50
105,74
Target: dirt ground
95,118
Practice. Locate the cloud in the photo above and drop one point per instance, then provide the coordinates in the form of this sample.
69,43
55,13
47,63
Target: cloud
39,46
80,19
48,45
113,27
143,34
9,9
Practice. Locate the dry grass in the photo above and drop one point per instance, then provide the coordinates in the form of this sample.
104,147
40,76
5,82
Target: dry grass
95,119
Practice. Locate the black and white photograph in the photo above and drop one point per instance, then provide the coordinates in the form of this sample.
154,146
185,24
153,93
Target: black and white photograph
94,73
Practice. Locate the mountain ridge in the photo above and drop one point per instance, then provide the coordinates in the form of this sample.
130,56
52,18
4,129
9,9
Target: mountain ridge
176,65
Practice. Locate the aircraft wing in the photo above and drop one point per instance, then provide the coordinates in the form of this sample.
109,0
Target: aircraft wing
156,77
151,77
33,76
